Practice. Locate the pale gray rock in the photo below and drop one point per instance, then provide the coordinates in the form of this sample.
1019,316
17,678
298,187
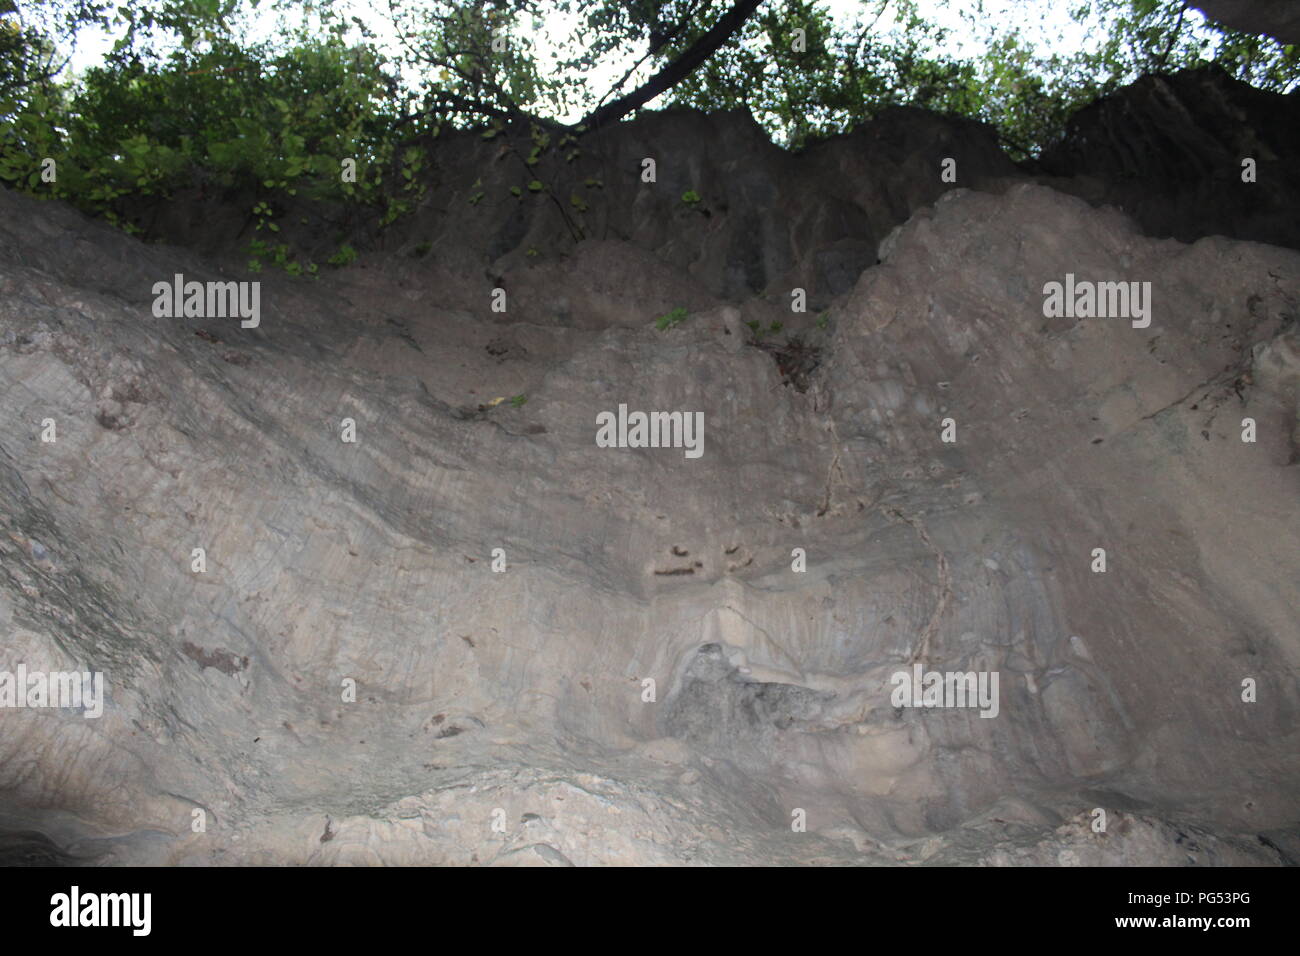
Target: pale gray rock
506,717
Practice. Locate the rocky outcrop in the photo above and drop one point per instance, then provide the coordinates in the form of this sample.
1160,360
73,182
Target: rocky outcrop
670,659
1277,18
1192,154
711,198
729,217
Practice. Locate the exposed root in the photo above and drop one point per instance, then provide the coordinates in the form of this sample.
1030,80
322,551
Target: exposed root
922,651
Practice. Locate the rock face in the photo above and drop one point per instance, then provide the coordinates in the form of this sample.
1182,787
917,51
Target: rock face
729,214
1187,155
670,659
1167,150
1277,18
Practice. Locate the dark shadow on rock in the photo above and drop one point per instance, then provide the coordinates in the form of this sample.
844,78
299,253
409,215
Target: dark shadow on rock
1168,150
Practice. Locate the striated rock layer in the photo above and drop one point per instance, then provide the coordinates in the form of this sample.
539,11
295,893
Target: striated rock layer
505,716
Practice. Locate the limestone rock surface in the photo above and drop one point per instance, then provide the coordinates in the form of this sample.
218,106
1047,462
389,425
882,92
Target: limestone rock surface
504,716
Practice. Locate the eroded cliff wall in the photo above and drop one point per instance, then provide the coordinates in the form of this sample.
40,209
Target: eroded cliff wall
671,657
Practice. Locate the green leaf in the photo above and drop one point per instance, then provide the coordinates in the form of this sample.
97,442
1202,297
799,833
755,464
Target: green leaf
670,319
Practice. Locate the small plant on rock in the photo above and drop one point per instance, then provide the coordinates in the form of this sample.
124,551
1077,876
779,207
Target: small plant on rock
669,319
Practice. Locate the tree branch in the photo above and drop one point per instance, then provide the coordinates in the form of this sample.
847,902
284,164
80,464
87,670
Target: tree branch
1173,38
676,71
